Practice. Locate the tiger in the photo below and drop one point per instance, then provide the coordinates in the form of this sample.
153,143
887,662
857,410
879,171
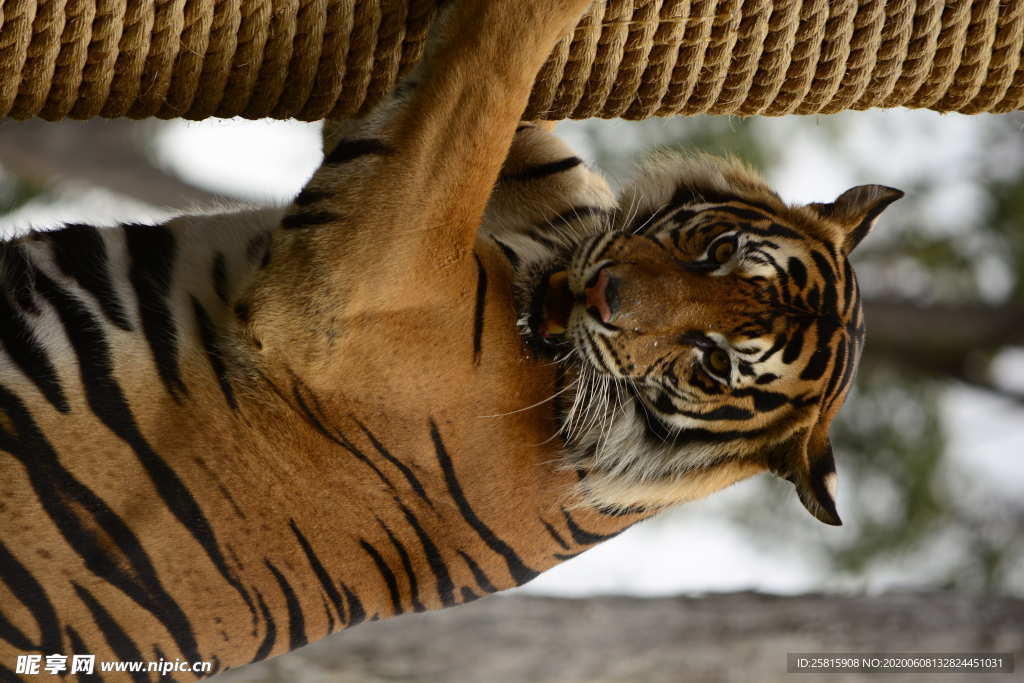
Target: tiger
456,359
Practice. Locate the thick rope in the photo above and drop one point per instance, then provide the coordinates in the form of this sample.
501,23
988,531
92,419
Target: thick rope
312,59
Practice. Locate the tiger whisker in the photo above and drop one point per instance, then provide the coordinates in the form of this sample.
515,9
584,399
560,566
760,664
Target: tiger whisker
633,211
530,407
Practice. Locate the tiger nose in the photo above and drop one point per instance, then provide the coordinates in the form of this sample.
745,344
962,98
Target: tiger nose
602,295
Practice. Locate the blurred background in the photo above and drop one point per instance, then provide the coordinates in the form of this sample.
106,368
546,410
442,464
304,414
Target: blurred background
930,445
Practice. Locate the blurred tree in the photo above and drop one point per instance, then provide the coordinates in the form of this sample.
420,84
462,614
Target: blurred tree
114,154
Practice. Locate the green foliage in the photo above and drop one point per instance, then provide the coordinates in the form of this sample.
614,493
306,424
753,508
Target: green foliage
1004,213
891,436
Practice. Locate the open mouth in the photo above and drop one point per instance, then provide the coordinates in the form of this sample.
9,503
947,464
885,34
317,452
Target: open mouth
555,302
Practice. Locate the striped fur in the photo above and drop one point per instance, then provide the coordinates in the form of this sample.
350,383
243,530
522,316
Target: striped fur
227,436
644,414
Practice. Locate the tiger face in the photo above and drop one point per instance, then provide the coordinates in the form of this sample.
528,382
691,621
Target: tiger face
709,332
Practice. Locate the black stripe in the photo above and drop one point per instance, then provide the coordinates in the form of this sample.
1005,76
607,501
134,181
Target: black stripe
119,641
78,646
519,571
336,439
798,271
318,568
151,253
819,360
32,595
296,620
567,556
847,354
538,171
478,309
664,402
409,475
607,345
597,358
403,555
220,277
813,298
329,613
554,534
661,434
309,196
308,219
356,613
478,574
29,356
513,257
720,413
270,637
109,404
349,150
81,254
828,273
830,300
386,574
599,247
764,401
656,431
849,285
780,341
795,345
17,276
445,587
107,546
687,195
211,345
581,536
467,594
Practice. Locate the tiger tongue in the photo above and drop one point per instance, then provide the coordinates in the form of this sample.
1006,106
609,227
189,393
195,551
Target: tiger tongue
558,303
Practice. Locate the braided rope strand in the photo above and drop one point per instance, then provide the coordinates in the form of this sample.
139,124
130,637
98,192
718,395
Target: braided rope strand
310,59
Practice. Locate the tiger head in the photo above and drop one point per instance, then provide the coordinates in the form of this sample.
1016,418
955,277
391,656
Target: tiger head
706,332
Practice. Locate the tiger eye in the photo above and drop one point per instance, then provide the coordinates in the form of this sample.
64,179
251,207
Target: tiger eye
718,362
723,251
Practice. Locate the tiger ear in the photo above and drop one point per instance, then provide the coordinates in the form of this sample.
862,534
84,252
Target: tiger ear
807,461
857,209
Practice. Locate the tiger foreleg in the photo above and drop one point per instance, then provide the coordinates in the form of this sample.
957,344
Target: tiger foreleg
399,203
